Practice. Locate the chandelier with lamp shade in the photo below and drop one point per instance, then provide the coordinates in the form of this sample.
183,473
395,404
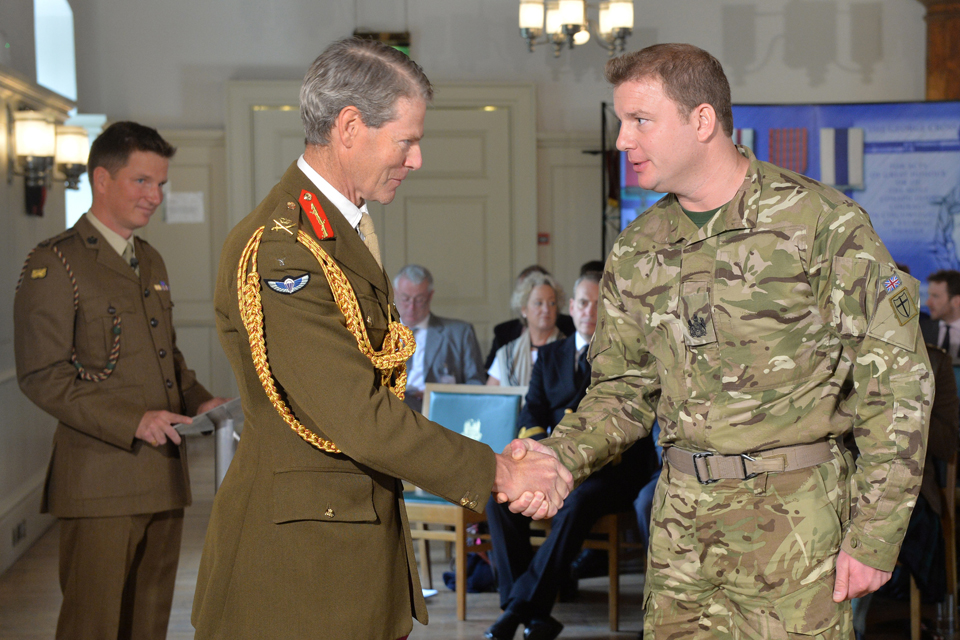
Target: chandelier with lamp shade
560,22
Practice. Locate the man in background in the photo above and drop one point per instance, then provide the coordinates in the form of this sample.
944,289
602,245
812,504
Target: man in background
96,349
447,349
943,300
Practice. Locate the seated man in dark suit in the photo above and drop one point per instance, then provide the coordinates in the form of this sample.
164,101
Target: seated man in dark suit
447,350
529,582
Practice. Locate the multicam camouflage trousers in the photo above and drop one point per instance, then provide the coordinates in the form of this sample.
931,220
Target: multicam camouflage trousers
748,559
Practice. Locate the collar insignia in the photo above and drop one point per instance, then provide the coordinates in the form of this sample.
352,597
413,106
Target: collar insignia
318,219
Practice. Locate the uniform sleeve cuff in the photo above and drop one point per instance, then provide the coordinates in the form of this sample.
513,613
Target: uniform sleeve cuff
872,552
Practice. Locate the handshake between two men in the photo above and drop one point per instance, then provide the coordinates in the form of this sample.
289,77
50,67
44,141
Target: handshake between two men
531,478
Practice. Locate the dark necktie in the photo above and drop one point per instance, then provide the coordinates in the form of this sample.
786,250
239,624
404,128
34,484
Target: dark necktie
945,343
583,367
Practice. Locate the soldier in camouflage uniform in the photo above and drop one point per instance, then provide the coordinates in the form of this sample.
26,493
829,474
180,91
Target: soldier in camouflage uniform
758,340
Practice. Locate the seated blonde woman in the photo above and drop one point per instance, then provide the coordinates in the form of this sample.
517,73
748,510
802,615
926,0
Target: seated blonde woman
536,298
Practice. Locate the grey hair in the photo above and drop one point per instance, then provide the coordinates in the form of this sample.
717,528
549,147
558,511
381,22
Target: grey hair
521,293
588,276
415,274
365,74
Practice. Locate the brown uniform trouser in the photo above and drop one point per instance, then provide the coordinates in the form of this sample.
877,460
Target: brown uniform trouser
117,576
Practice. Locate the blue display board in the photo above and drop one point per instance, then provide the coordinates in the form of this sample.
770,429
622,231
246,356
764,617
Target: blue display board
909,179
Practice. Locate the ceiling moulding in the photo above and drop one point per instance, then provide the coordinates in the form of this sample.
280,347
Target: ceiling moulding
17,89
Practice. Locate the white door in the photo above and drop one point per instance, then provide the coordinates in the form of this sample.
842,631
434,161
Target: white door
277,142
453,215
191,251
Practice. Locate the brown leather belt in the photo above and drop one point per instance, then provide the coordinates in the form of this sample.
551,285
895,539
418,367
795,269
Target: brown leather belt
709,467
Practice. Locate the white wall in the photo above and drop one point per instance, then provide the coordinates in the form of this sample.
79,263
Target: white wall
166,62
25,431
17,49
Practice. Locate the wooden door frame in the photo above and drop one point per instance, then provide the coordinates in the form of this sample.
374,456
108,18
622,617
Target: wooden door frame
244,97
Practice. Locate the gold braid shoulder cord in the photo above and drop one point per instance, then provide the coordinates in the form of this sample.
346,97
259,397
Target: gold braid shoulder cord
398,345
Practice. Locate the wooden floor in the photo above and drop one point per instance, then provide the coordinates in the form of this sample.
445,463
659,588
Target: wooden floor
30,594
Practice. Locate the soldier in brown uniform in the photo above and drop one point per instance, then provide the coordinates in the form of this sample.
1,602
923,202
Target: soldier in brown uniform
96,349
757,316
308,536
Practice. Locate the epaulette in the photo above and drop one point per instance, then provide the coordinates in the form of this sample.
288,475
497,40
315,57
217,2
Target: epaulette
284,224
63,235
40,273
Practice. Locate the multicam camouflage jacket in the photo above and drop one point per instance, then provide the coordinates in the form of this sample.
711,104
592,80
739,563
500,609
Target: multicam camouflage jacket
782,321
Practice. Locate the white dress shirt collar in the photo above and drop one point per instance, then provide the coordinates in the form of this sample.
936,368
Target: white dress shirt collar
954,327
416,372
581,343
349,210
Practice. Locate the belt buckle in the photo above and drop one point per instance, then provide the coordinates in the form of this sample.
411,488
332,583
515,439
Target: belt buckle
743,462
696,469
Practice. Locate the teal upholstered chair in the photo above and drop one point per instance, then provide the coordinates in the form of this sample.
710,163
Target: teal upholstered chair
487,414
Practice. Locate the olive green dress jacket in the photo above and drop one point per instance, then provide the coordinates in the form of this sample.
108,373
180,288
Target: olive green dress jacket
98,468
304,543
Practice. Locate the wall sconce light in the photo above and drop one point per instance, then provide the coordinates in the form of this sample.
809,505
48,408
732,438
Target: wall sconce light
38,144
34,143
565,22
73,148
